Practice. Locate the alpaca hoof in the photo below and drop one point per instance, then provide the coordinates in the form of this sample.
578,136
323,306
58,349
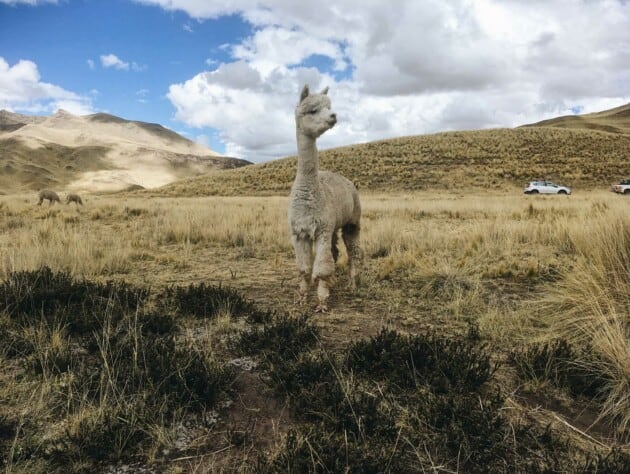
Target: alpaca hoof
321,308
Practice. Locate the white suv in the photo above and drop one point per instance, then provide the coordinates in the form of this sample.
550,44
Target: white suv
545,187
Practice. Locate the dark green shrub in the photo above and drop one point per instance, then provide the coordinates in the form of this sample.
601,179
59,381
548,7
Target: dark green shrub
615,461
8,430
556,362
442,363
205,301
57,298
159,324
469,427
318,392
280,339
113,433
170,376
13,342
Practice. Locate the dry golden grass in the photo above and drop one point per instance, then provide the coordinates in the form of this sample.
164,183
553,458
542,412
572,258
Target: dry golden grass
523,268
591,306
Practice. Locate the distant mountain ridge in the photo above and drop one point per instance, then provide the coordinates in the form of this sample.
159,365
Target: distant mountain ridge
98,152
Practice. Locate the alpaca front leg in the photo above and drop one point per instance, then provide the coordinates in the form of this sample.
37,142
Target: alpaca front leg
304,259
323,292
323,270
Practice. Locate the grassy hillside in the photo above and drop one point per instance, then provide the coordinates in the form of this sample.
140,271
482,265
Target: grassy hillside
481,159
55,166
615,120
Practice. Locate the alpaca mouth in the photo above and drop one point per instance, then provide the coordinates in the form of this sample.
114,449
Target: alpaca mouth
331,122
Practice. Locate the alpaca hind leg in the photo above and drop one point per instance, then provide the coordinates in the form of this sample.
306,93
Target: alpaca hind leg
351,233
304,259
323,269
334,248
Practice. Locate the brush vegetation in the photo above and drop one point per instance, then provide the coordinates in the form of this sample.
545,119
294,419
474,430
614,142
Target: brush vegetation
487,330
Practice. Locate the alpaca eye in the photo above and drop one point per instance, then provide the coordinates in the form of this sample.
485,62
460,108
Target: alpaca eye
312,111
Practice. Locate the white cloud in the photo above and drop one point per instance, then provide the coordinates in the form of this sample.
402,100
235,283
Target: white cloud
21,89
141,95
202,9
111,60
405,67
274,47
90,64
27,2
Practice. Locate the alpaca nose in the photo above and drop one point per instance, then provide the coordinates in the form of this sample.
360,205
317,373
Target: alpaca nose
334,117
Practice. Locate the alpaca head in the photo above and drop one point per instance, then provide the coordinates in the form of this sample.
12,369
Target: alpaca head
313,115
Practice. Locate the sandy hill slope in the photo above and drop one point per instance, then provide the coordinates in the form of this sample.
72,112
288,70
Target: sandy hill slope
98,152
498,159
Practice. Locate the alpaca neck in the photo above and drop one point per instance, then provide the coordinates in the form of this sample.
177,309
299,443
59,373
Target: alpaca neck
308,162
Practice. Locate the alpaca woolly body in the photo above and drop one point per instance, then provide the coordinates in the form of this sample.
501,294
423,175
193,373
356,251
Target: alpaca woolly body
75,198
320,204
51,196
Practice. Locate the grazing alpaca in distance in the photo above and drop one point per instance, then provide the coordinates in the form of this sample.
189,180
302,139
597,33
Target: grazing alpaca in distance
75,198
320,204
48,194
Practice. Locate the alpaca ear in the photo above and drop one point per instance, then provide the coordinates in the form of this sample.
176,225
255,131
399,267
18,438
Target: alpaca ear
325,91
304,93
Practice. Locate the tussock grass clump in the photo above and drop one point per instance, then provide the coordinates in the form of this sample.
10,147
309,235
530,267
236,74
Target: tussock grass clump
591,310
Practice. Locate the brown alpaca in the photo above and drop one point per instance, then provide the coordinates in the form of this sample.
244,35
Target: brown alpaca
75,198
48,194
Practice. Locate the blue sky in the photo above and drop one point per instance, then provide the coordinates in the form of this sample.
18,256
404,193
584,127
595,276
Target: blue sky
227,73
160,48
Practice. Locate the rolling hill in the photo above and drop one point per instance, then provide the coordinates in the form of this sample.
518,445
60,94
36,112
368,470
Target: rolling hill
102,152
615,120
98,152
586,151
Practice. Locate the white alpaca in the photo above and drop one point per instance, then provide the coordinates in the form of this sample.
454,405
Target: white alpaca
321,203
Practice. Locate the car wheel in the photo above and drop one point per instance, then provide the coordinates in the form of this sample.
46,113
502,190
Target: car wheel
562,191
534,191
626,191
